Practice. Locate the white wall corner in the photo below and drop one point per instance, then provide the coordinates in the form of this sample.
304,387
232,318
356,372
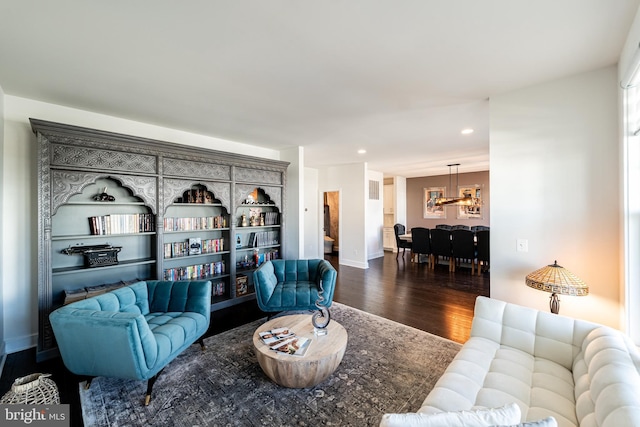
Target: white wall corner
294,209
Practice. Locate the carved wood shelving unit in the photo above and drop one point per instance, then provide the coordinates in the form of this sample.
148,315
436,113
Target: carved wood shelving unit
147,177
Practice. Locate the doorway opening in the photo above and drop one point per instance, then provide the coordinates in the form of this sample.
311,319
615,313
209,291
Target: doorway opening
331,226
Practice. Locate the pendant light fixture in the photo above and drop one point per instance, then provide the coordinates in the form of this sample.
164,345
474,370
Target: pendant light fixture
465,200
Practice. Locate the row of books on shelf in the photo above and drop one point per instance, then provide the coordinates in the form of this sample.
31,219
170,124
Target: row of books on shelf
121,224
249,262
193,246
195,272
270,218
284,340
262,238
195,223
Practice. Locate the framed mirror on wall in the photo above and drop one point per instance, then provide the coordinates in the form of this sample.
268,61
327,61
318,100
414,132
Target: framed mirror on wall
429,208
474,209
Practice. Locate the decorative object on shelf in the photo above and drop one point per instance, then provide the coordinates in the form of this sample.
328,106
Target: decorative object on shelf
34,389
252,198
322,317
557,280
242,284
243,222
95,255
104,197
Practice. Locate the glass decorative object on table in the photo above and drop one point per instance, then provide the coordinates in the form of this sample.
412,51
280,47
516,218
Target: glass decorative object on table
322,317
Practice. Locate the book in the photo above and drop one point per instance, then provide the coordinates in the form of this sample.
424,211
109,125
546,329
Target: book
296,346
284,340
195,246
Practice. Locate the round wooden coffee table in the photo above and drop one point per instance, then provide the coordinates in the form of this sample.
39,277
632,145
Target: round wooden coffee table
321,359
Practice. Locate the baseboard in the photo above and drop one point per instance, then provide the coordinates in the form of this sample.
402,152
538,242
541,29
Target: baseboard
378,254
352,263
15,345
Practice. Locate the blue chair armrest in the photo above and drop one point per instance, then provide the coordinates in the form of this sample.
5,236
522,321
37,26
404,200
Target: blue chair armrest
328,275
108,343
265,281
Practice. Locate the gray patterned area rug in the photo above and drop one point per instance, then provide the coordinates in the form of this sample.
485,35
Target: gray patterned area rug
387,367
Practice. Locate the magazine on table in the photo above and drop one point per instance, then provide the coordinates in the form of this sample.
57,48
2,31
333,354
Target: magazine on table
284,340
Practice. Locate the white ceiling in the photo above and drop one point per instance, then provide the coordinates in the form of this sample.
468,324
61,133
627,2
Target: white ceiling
399,78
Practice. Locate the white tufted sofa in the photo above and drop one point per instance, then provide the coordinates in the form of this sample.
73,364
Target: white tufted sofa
579,372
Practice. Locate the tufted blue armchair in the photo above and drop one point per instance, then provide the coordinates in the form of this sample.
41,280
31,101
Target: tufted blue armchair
285,285
132,332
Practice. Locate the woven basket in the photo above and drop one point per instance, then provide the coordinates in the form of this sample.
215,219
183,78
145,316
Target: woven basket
35,389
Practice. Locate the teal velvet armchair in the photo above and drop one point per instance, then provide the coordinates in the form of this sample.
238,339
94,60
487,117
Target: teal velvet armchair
132,332
286,285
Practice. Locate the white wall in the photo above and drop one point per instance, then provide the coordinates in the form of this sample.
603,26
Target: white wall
2,225
350,180
374,218
400,199
294,209
554,181
19,211
313,245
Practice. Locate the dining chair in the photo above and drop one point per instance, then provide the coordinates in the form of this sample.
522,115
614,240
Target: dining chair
421,243
399,230
443,226
477,228
460,227
440,246
482,238
463,248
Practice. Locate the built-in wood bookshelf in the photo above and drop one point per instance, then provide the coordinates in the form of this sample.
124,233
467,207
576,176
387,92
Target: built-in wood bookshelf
169,211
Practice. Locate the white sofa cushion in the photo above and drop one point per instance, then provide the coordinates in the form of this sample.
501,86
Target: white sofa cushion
480,417
607,380
486,374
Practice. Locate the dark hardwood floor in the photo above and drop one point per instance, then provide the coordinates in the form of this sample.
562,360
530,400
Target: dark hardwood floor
435,301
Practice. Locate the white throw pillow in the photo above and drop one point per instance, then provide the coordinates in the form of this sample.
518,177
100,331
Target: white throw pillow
506,415
547,422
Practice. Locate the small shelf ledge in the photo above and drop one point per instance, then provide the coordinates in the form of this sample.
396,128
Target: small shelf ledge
246,248
214,277
100,236
204,230
219,205
83,269
116,203
207,254
254,227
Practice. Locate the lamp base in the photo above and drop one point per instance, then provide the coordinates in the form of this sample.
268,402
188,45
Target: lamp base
554,303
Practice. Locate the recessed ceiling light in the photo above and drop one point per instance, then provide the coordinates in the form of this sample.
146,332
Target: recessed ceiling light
362,151
467,131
